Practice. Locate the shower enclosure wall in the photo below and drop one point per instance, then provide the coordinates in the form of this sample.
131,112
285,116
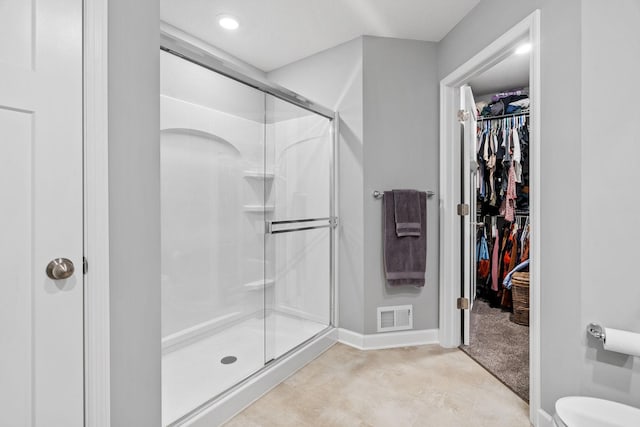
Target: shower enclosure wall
246,231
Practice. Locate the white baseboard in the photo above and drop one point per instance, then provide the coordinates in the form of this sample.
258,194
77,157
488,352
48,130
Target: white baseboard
387,339
544,419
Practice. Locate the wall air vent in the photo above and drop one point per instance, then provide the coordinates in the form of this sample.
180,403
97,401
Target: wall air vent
395,318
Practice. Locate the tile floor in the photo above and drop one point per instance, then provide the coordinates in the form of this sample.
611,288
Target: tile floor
412,386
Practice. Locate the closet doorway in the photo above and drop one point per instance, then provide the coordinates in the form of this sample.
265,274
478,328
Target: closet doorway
495,164
468,297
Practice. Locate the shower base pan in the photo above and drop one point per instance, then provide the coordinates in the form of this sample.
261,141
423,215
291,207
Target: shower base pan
217,375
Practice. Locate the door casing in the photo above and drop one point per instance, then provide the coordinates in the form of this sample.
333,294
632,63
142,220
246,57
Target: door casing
96,214
450,240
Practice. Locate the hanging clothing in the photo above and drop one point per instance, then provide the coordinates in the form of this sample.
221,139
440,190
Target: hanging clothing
482,255
482,164
486,147
508,207
510,253
504,251
502,185
495,263
500,147
511,258
525,244
491,164
517,155
506,143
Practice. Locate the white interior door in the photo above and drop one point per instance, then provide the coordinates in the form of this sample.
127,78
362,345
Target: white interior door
41,362
469,171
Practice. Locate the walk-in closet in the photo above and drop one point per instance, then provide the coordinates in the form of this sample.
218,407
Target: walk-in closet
500,229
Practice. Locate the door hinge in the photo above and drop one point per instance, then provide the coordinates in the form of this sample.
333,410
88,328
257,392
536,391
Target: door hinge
462,303
463,209
463,115
85,265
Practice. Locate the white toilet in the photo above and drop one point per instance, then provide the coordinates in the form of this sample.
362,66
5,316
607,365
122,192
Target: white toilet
579,411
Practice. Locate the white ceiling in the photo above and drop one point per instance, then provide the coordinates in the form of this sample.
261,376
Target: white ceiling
274,33
511,73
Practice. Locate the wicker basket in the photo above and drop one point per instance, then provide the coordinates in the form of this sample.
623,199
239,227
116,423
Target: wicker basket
520,294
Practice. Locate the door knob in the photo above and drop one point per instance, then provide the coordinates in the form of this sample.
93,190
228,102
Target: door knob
60,268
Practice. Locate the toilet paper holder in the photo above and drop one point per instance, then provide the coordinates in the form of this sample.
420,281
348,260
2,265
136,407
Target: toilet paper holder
596,331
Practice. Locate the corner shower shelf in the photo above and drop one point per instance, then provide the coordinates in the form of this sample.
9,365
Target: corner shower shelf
258,208
257,174
259,285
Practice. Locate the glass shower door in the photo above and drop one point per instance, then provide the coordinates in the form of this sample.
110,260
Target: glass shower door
234,297
298,157
212,218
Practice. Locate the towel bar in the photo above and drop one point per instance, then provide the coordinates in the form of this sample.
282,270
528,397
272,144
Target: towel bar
379,194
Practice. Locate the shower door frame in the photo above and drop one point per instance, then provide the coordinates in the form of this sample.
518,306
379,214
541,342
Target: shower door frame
182,45
208,58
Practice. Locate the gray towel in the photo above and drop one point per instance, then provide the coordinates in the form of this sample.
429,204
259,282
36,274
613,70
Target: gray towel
405,258
407,212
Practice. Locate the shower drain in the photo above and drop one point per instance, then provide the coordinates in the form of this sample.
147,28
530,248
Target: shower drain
228,360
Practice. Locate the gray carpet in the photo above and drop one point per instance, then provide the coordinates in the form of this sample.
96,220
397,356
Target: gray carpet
500,346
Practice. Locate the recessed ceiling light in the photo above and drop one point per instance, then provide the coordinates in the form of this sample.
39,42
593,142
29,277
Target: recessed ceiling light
523,48
228,22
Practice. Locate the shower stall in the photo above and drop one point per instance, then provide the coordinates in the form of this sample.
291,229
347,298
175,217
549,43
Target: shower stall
247,211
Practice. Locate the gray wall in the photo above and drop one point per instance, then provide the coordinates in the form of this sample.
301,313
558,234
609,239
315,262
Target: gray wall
610,176
561,328
401,151
134,211
333,78
392,143
586,271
